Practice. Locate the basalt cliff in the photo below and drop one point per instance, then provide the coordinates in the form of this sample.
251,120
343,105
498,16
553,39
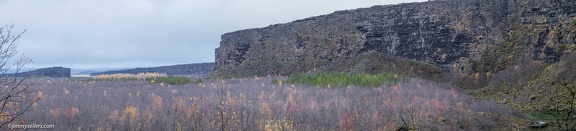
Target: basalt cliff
457,36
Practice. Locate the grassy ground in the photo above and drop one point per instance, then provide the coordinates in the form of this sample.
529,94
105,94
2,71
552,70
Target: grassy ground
341,79
172,80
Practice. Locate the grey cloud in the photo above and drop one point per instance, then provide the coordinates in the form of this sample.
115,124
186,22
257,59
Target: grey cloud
141,33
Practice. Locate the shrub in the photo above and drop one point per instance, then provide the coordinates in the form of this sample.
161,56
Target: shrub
149,77
128,77
172,80
340,79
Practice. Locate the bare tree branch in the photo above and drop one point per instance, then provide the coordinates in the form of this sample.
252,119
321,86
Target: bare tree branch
15,98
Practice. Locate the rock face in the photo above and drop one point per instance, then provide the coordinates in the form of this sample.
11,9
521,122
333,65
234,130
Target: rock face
184,69
46,72
463,36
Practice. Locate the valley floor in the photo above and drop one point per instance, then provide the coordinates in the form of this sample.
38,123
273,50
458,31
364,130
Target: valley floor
260,104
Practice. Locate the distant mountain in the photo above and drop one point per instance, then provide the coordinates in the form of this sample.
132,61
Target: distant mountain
46,72
184,69
87,72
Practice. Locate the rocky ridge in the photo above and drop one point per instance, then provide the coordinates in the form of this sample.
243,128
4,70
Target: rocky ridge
45,72
183,69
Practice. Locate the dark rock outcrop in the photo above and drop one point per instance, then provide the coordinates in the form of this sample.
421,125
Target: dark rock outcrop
184,69
45,72
461,37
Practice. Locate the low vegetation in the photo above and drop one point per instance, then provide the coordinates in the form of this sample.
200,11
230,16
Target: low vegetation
375,63
342,79
172,80
149,77
127,77
547,91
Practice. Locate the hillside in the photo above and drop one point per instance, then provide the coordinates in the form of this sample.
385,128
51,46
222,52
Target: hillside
45,72
183,69
520,53
464,37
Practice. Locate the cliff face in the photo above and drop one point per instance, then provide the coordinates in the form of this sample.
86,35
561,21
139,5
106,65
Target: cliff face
184,69
458,36
50,72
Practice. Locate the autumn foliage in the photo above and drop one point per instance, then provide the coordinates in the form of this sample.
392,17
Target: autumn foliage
258,104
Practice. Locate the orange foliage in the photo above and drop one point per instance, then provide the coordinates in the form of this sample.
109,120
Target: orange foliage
72,112
130,115
265,109
156,103
54,112
140,76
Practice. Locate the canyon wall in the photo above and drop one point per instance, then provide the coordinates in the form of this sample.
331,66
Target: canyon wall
458,36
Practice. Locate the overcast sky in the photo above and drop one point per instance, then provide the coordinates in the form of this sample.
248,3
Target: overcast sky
85,34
